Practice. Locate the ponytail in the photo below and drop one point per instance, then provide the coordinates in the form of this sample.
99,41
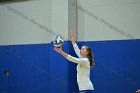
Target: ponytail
90,56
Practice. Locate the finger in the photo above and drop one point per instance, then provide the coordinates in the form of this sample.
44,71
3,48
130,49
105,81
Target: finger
55,48
72,32
69,34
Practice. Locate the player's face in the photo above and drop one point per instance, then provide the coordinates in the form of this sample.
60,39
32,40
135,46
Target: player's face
83,51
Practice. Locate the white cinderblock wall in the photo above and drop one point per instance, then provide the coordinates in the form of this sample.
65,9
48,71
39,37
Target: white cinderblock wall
122,14
28,22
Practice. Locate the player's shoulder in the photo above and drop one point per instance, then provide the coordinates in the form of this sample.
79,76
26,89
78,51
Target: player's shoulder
85,59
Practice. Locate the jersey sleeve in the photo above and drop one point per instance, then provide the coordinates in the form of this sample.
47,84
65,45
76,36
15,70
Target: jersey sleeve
77,50
81,61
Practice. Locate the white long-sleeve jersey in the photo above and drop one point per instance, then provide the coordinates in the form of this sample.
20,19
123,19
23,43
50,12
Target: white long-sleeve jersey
83,70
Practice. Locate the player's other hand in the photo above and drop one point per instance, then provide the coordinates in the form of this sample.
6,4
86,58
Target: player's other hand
59,50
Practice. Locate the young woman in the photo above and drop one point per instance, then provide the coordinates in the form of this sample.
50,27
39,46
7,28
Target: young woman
85,62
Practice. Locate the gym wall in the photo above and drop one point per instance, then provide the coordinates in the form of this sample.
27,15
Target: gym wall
100,20
110,28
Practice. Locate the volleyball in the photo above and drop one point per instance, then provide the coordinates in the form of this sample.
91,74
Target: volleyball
58,41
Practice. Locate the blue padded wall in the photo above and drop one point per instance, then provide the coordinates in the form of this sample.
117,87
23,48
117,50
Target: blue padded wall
42,69
33,69
132,65
4,65
58,69
37,68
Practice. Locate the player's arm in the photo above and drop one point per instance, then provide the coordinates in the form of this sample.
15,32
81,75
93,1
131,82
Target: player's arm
71,38
71,58
59,50
75,46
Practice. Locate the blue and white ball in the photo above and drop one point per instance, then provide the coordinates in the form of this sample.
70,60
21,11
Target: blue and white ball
58,41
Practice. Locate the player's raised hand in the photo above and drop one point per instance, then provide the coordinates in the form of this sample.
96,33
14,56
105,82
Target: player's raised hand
71,38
